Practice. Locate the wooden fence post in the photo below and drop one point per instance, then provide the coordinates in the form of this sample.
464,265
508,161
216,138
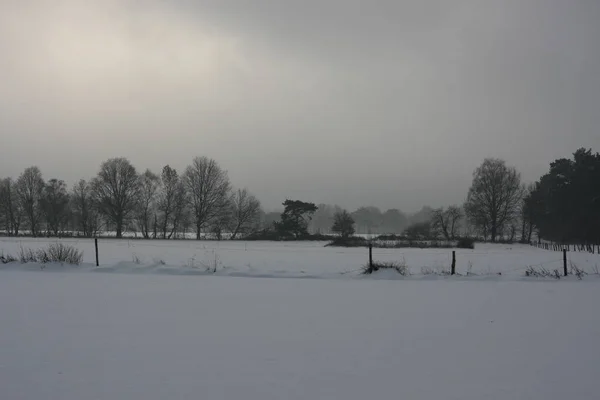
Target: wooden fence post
97,259
565,262
453,263
371,256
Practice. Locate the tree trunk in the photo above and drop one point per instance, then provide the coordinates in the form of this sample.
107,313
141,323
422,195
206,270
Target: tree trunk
164,228
119,229
155,227
235,232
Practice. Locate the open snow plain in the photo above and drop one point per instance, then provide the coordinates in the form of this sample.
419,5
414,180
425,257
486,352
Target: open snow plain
157,331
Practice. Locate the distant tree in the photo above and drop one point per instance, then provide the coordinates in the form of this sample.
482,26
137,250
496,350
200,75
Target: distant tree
116,192
245,212
295,218
368,219
269,220
322,219
394,221
172,202
419,231
343,224
10,207
446,221
30,187
529,206
494,197
223,221
424,215
147,208
55,206
84,213
208,187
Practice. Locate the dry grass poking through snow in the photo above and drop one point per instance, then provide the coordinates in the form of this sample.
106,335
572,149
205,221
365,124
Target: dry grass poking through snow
400,267
54,253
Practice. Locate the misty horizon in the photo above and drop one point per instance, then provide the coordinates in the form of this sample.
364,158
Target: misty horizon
390,104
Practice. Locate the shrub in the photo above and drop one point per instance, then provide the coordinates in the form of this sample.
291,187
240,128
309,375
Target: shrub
355,241
5,259
578,272
274,235
465,243
62,253
27,256
541,272
399,267
56,252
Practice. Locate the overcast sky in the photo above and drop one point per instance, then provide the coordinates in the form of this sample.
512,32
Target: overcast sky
385,103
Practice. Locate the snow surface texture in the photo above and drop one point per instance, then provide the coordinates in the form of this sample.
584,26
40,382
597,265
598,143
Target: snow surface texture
300,259
73,336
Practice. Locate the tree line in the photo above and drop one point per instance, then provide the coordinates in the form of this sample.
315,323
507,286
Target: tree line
563,206
118,198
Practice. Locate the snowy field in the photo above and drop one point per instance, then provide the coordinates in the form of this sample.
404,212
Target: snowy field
297,259
156,325
73,336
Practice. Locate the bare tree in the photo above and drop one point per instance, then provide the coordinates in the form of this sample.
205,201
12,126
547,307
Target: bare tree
245,212
208,187
494,197
171,201
446,221
116,191
149,183
10,207
223,221
55,205
455,214
84,212
439,222
30,186
181,211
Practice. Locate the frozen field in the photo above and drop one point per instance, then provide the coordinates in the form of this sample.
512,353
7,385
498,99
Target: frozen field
73,336
299,259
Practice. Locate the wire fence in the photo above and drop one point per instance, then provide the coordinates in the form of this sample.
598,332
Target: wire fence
587,247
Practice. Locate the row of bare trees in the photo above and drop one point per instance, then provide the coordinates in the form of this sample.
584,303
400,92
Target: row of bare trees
121,199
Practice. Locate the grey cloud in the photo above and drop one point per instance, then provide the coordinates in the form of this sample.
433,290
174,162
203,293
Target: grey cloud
390,103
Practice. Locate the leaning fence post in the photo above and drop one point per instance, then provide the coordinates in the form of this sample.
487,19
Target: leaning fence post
97,259
565,262
453,262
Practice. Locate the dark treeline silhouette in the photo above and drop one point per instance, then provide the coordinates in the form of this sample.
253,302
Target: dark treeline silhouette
564,205
119,199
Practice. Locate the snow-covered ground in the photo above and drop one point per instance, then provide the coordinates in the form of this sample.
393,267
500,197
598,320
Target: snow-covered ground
297,259
148,328
73,336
